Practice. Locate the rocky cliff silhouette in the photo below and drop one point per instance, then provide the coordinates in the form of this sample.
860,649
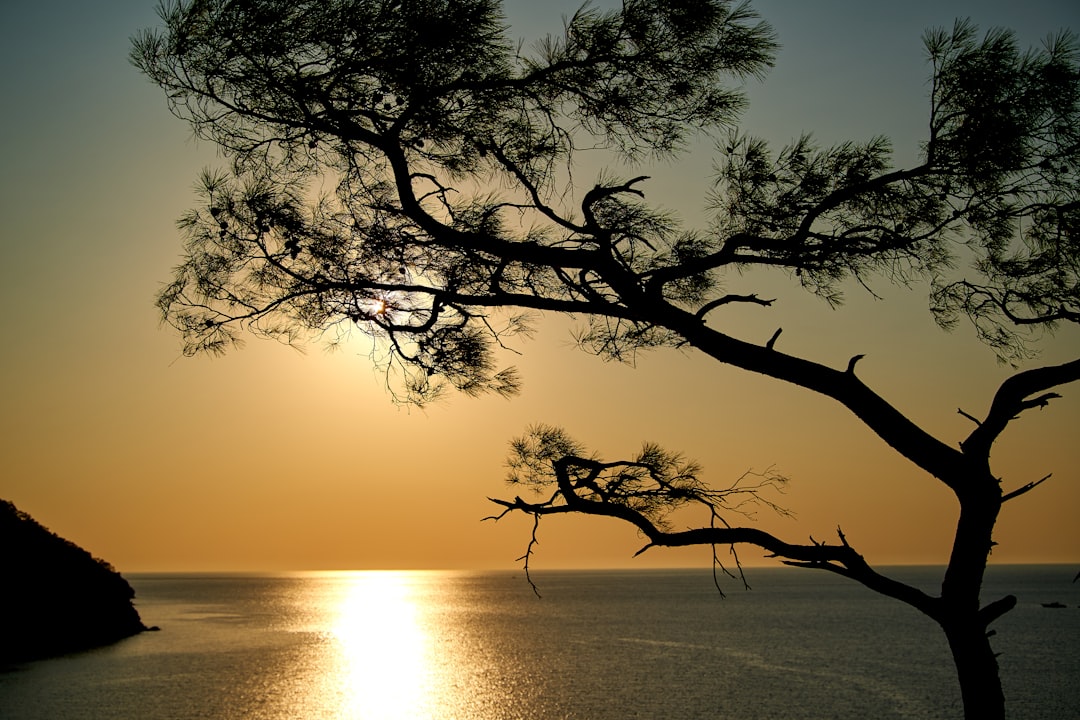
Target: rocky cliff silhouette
56,597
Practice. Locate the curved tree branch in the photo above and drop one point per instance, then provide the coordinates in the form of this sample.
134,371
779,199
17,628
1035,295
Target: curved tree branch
1013,397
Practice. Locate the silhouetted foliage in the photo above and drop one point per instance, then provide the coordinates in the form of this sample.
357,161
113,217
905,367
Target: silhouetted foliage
457,213
57,597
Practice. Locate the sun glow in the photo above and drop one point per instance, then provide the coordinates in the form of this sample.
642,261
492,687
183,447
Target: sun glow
384,655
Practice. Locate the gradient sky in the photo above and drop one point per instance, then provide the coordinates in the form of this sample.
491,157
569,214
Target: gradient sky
272,459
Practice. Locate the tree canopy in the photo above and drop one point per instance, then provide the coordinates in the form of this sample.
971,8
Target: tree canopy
419,109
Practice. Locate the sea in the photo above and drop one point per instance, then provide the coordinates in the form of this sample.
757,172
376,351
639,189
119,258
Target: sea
374,645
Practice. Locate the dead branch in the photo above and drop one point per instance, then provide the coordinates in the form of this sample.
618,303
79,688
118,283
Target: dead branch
972,418
1025,488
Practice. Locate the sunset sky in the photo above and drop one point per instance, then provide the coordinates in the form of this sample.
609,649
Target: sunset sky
273,459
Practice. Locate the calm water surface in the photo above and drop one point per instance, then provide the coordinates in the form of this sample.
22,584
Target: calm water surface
642,644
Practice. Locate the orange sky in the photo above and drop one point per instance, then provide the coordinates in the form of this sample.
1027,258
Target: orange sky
271,459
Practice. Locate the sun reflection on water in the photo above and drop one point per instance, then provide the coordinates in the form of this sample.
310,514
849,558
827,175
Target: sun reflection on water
383,659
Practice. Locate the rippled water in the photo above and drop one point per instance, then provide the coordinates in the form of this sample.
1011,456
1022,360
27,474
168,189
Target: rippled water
643,644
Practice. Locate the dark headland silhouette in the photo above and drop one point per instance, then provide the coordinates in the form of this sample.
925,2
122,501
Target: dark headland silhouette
57,597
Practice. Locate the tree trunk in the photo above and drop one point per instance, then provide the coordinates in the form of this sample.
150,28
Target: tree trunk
976,668
964,625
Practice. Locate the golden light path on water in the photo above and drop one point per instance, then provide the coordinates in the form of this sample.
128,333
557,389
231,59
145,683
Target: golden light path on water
383,660
405,645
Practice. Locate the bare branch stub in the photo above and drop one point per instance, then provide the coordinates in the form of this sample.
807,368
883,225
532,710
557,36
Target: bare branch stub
970,417
1025,488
